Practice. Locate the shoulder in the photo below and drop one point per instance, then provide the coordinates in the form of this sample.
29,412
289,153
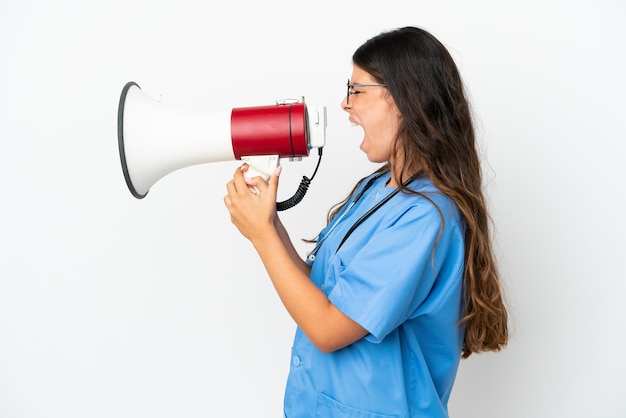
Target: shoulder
423,198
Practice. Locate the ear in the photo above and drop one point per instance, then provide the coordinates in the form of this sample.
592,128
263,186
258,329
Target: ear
393,105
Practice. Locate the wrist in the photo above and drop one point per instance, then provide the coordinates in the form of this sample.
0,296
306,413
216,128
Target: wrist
265,237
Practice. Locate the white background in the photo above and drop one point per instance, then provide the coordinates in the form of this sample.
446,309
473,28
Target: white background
117,307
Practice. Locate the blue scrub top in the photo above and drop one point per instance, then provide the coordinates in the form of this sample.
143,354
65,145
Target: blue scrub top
386,278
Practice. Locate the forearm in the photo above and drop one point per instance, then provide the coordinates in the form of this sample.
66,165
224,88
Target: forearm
291,250
326,327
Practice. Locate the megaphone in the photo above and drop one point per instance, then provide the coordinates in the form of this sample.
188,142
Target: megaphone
156,139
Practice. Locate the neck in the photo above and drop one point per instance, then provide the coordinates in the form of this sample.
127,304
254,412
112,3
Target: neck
393,183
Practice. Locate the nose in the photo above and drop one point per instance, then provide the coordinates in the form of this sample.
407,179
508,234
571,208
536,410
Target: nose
344,104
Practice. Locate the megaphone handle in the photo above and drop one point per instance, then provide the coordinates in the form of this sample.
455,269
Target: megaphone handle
261,165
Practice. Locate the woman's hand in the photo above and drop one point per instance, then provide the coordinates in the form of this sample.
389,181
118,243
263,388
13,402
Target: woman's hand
252,203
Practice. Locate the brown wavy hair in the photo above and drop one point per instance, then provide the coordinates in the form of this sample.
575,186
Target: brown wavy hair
436,135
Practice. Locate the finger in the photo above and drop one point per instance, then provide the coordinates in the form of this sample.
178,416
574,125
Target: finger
273,181
257,184
254,190
239,182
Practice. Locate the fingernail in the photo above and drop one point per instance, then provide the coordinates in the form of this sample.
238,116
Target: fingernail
278,170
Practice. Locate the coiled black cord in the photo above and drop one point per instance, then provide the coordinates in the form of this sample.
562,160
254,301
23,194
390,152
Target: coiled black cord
302,188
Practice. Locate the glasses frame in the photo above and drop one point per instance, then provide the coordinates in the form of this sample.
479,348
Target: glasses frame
351,86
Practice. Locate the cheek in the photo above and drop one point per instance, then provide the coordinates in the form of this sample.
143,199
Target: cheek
380,123
386,130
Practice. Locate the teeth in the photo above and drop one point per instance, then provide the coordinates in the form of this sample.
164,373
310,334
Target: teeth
354,124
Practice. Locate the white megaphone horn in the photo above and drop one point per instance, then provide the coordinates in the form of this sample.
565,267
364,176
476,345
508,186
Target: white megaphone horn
156,139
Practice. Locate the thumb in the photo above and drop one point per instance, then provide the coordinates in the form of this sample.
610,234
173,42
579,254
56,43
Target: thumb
273,182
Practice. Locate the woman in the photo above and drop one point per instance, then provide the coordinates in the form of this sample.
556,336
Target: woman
402,282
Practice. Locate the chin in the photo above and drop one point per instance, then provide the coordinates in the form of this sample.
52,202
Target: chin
374,159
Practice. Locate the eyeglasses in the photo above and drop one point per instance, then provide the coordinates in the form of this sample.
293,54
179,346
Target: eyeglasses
351,87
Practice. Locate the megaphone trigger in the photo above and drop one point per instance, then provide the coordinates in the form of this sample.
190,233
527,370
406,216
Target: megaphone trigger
260,165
